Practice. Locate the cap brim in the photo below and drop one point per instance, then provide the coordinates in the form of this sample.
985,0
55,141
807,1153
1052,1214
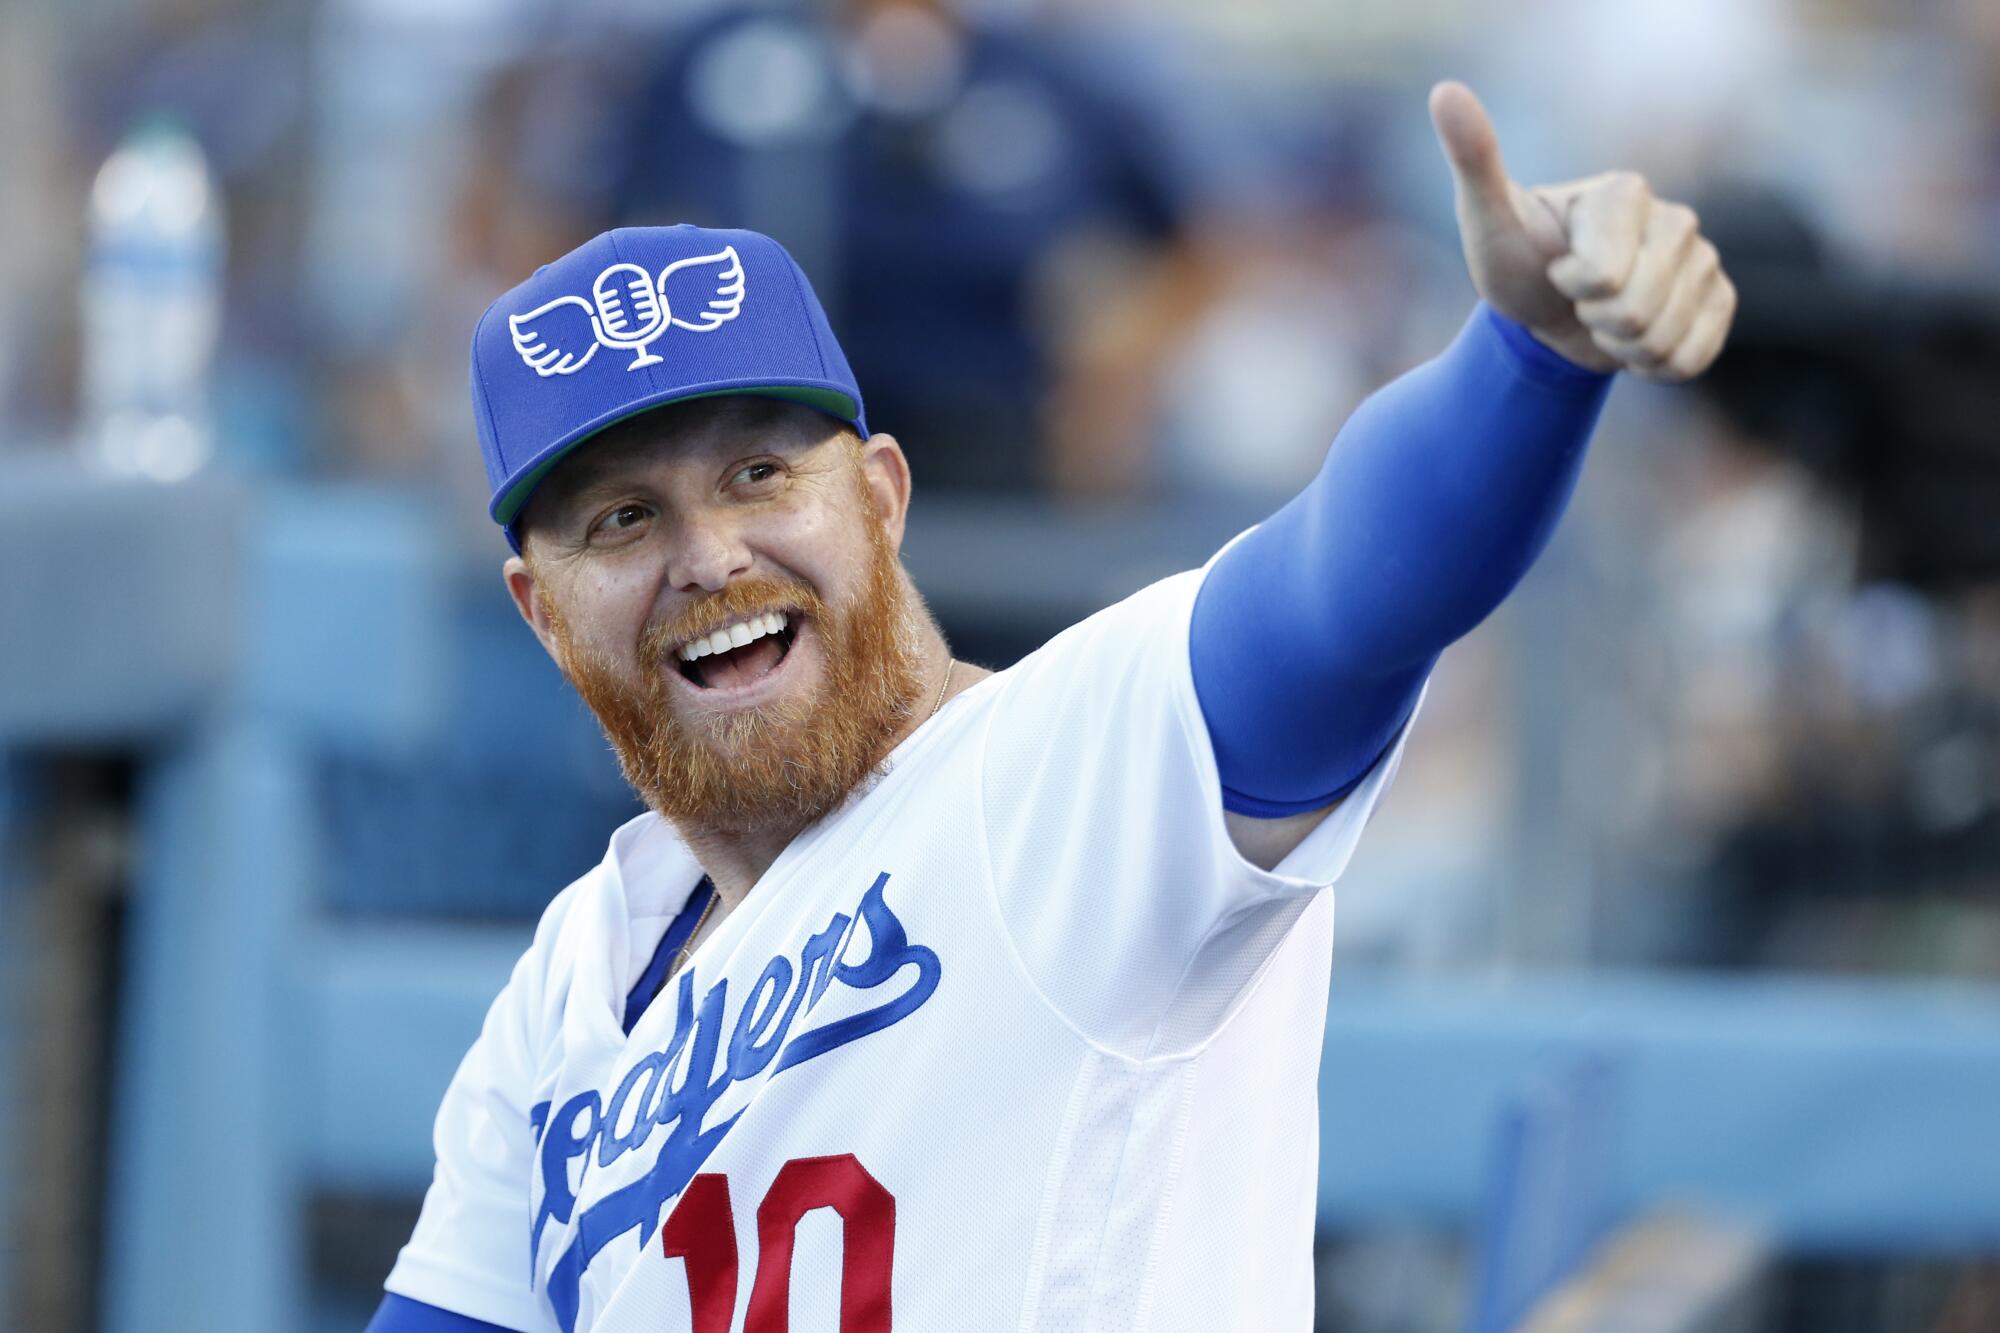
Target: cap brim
507,505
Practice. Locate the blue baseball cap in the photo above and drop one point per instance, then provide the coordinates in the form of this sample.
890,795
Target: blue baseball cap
635,319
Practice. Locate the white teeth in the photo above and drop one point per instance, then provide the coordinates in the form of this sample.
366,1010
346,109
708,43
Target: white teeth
735,636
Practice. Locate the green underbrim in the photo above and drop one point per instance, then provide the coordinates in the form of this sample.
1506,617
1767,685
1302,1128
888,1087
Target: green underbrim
830,401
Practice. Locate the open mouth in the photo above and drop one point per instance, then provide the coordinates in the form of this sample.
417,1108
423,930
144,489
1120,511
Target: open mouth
739,653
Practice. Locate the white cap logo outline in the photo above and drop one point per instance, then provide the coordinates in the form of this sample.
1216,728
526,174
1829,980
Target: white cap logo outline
629,310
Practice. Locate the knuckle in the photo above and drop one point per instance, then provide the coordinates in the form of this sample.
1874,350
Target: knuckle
1631,182
1597,279
1574,275
1588,279
1626,322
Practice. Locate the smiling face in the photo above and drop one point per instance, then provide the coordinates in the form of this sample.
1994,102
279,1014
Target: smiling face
719,581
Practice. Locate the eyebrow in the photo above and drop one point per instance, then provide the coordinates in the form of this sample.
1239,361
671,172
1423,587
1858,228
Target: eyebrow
593,474
559,501
588,484
589,473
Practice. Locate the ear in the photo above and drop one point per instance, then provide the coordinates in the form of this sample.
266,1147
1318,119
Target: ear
886,473
527,595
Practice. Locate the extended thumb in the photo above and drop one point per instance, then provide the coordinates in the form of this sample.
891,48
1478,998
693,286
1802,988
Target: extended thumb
1466,134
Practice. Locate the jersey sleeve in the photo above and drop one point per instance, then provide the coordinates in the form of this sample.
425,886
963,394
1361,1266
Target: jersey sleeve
1434,501
469,1252
1112,869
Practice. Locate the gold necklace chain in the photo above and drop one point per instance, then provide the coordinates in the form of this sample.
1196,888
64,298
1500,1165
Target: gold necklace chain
713,893
693,935
943,685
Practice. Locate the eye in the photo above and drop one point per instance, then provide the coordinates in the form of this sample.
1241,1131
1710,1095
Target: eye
621,519
754,474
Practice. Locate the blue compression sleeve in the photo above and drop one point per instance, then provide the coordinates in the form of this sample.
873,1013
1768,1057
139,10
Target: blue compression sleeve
1312,636
399,1314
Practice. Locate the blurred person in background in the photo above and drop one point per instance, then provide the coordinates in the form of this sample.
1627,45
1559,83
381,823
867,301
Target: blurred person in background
1290,293
1839,752
974,187
978,191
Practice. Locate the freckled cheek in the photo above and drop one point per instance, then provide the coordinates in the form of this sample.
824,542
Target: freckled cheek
792,521
827,552
610,615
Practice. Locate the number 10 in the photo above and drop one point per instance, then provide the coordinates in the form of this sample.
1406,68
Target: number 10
702,1231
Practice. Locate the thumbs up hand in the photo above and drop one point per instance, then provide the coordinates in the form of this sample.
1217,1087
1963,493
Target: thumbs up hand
1598,269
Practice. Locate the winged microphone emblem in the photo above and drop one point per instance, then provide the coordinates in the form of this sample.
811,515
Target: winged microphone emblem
629,310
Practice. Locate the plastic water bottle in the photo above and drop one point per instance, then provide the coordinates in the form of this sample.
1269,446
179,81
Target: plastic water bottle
151,307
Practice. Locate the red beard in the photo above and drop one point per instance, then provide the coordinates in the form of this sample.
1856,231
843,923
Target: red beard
781,765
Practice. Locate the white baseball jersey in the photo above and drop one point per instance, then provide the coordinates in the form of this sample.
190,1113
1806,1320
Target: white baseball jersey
1014,1041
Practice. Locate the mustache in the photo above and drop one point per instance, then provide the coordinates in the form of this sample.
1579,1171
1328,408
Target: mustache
790,761
736,602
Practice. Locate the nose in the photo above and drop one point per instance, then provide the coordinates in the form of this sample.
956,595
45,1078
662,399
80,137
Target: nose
709,553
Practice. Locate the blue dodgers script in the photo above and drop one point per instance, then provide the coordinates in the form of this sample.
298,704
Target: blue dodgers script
647,1098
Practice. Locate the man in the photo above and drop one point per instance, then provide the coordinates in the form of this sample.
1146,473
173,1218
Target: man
929,998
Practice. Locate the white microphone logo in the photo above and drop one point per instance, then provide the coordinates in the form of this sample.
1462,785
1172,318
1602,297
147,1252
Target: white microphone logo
630,310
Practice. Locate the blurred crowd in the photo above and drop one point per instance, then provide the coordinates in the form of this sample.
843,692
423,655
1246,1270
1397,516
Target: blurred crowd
1749,712
1095,257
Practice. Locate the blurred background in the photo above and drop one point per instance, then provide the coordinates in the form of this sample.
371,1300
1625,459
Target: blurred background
1669,978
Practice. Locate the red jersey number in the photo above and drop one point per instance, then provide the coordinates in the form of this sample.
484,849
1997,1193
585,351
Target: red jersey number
702,1231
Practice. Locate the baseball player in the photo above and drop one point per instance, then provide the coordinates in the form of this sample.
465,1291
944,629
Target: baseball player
925,997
